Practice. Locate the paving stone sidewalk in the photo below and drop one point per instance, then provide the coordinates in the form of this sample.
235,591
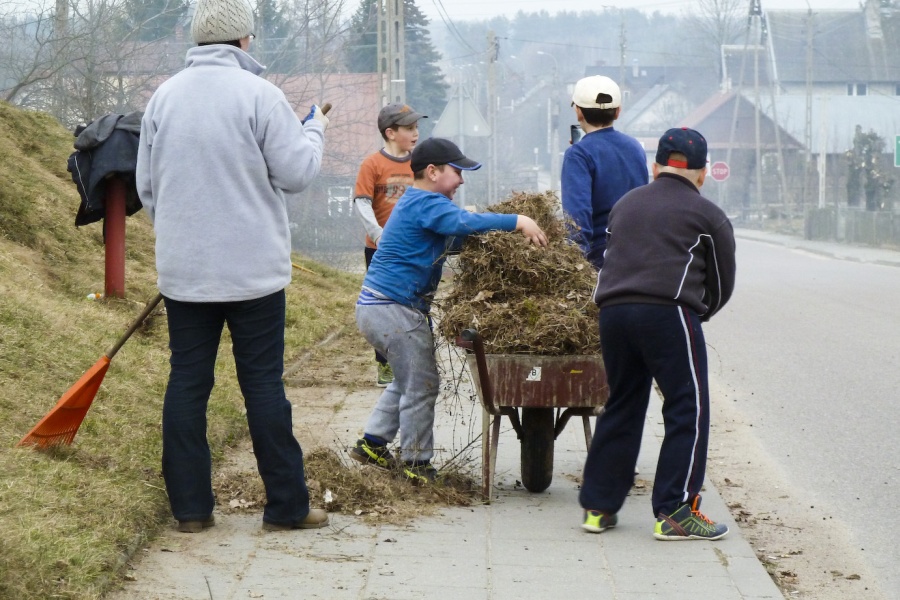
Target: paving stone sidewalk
521,546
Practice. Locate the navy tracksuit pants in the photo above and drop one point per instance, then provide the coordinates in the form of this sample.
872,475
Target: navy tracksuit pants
640,343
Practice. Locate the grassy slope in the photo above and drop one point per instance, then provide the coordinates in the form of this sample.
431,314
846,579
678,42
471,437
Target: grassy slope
67,515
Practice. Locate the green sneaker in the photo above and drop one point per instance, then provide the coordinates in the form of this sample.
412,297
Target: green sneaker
597,522
419,474
369,454
688,523
385,375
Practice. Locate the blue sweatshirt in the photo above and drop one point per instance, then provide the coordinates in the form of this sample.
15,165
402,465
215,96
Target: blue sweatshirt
407,265
596,172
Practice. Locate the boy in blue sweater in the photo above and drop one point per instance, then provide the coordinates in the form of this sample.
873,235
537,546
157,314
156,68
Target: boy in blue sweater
393,306
602,167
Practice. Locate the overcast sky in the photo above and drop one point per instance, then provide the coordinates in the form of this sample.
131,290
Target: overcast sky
461,10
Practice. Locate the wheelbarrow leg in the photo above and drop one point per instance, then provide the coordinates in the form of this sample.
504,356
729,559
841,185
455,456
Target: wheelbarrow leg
490,435
586,420
485,456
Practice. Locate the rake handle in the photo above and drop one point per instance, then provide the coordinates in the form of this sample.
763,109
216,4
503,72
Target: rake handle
134,325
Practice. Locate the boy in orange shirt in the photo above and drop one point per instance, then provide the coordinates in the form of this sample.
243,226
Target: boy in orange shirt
382,179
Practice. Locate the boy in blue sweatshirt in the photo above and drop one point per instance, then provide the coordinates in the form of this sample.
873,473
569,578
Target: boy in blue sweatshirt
602,167
393,306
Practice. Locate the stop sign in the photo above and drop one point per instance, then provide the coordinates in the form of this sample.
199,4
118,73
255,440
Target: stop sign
719,171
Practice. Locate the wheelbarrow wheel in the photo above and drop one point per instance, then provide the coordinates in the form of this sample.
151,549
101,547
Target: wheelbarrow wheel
537,448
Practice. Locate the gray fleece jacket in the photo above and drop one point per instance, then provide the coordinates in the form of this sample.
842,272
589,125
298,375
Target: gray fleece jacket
219,146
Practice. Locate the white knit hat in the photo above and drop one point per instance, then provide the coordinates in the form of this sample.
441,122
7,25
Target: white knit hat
221,21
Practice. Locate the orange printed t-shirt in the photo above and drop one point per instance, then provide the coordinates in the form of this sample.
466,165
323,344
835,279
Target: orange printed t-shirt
383,178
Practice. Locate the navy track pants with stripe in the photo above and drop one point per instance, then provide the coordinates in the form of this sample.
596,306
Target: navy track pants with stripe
640,343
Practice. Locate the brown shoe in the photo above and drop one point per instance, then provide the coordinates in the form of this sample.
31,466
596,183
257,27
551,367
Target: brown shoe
316,518
196,526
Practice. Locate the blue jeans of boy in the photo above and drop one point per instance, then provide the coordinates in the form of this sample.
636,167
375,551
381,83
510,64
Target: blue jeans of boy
257,336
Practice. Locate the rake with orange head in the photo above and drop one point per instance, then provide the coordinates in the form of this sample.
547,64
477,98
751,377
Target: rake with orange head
60,425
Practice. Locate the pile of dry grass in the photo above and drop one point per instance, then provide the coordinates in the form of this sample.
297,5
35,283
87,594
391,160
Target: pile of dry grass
366,492
524,299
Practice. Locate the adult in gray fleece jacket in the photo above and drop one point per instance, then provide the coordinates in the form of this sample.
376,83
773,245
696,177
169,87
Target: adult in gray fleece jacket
219,147
669,266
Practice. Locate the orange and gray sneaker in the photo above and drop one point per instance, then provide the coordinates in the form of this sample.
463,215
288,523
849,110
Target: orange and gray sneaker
688,523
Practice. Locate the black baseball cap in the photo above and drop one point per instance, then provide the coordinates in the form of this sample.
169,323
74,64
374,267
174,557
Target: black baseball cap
686,141
440,151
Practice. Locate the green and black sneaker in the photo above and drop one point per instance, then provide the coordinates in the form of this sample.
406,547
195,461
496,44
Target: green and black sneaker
370,454
419,474
385,375
688,523
598,522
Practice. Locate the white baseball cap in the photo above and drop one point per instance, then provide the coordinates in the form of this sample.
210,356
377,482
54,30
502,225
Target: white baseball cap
597,91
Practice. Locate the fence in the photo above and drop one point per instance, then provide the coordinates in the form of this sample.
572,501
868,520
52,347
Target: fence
854,226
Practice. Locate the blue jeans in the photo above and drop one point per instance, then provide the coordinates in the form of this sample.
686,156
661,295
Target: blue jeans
640,343
257,335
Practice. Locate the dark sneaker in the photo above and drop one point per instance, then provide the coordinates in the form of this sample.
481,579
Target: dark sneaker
419,474
196,526
316,518
597,522
385,375
688,523
369,454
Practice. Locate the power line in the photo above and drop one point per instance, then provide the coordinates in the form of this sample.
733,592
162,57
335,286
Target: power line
451,26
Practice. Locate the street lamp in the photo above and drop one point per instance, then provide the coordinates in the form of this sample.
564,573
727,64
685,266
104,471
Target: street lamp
555,65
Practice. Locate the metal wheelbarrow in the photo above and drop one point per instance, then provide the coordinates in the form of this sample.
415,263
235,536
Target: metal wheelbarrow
549,390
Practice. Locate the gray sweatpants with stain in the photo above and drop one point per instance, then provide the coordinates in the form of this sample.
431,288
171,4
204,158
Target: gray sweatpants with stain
403,335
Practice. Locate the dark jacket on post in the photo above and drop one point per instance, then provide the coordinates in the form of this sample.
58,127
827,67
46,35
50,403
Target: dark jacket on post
667,244
107,146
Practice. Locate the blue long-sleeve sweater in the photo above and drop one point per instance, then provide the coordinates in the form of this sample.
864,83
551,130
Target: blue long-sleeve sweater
411,252
596,172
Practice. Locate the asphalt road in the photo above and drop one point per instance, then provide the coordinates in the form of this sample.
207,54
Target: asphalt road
811,346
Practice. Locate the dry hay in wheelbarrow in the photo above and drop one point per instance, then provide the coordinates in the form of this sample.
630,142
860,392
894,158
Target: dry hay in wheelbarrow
523,299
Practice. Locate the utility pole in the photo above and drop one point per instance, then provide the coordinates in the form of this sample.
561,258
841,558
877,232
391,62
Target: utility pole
786,197
391,51
493,55
61,31
622,46
808,132
756,11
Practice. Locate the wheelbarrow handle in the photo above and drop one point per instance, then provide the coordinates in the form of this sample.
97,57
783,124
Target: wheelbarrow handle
472,340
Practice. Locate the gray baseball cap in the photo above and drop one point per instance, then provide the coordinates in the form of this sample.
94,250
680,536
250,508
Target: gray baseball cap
397,114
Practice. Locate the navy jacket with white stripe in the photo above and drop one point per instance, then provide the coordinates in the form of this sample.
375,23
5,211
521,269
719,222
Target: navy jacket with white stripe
667,244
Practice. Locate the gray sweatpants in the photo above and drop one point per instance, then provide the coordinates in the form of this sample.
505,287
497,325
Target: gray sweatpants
403,335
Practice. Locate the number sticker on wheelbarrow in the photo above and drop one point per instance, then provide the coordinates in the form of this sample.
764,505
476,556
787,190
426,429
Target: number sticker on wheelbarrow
534,374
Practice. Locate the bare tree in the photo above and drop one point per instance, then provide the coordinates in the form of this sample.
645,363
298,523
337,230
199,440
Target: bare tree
36,51
711,24
80,59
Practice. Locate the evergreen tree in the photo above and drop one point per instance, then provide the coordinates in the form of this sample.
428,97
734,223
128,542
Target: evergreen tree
276,44
154,19
426,90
